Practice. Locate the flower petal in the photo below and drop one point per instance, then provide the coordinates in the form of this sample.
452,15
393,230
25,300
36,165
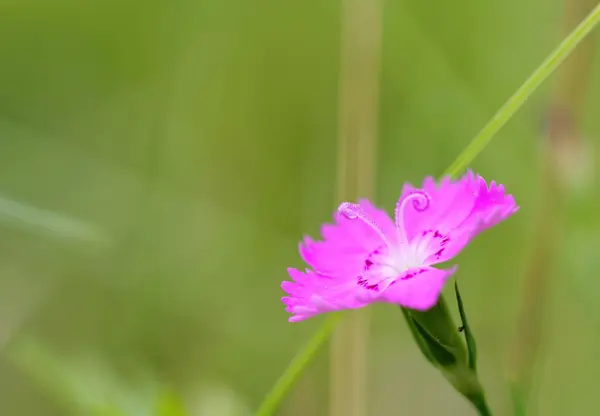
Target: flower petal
492,206
450,203
459,211
380,217
361,254
448,247
312,293
418,288
347,243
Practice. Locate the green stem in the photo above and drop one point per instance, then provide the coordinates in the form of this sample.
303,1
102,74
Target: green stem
300,362
481,406
515,102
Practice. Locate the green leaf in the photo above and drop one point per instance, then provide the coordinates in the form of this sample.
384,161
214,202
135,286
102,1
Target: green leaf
471,345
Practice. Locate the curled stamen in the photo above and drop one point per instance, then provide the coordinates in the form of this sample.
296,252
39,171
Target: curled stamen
353,212
420,203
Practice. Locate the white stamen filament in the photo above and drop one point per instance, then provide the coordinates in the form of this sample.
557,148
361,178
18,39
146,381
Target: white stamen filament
415,197
353,211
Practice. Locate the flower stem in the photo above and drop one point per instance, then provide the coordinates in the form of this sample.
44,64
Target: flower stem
514,103
561,154
481,406
301,361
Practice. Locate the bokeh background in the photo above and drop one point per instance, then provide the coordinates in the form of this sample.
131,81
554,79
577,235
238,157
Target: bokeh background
160,160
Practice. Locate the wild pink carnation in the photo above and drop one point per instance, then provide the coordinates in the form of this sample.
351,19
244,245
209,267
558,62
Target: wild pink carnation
367,257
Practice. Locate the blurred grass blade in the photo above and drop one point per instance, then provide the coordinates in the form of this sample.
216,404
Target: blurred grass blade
514,103
170,404
64,381
471,346
86,384
43,220
518,400
358,115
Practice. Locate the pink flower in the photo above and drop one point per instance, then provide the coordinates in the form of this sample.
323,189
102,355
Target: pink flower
367,257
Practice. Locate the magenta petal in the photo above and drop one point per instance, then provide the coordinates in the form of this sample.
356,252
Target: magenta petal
451,202
456,241
346,243
366,257
380,217
420,292
492,206
312,293
487,207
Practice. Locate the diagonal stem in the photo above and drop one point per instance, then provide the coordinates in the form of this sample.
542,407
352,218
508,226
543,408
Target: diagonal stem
562,148
301,361
514,103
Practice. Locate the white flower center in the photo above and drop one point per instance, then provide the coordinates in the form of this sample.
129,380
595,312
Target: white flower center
394,258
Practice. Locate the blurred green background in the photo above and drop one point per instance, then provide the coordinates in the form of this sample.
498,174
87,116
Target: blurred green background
160,161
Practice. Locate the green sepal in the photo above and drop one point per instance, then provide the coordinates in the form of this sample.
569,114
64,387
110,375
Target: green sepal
466,329
441,343
417,336
439,332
